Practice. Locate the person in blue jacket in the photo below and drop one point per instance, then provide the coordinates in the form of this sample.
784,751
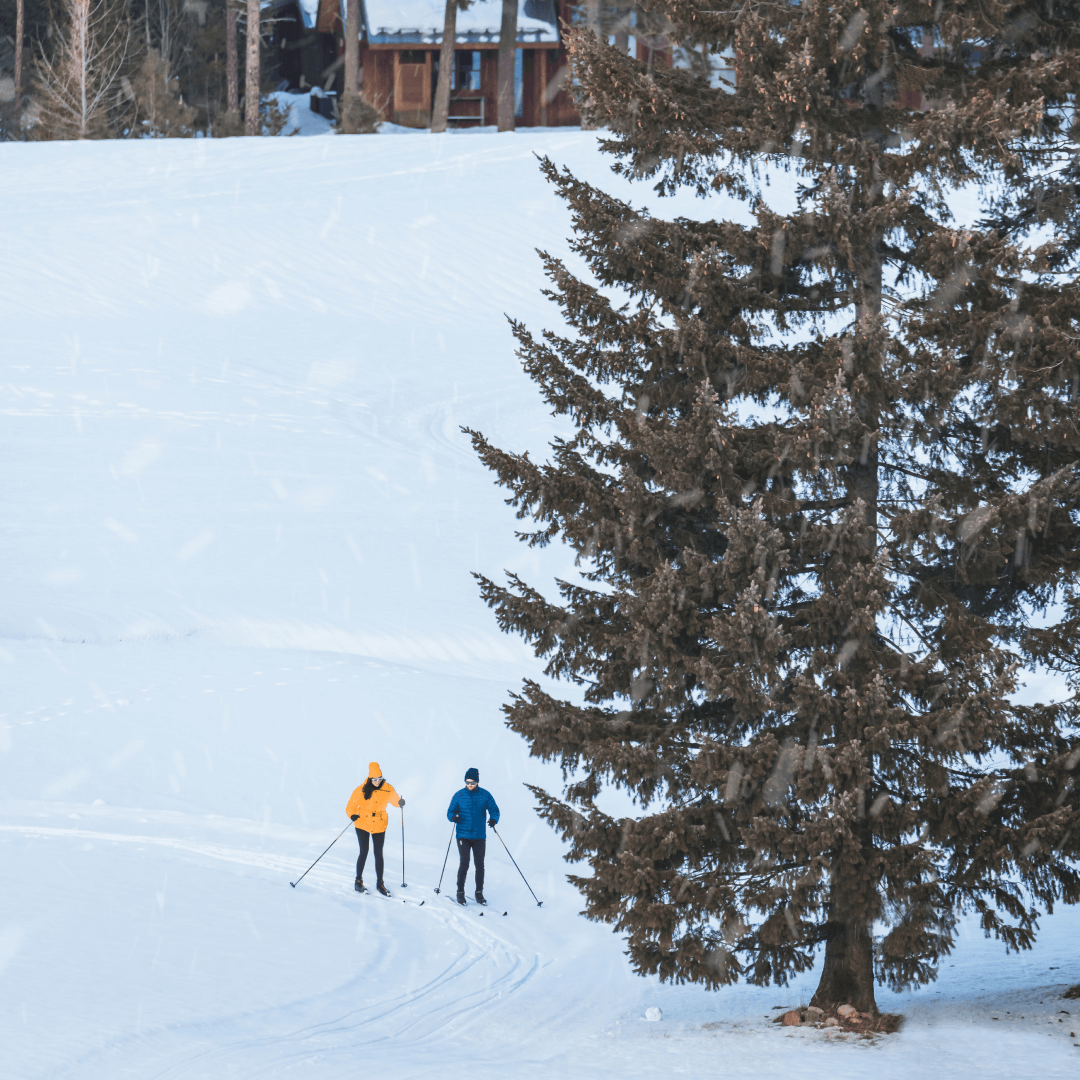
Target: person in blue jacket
469,808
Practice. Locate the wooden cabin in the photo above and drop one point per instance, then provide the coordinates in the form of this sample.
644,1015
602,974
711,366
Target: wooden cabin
400,58
400,42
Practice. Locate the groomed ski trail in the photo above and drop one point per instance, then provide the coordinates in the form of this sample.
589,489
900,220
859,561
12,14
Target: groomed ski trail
455,996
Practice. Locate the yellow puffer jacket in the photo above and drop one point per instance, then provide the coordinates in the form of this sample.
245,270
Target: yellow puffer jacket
372,816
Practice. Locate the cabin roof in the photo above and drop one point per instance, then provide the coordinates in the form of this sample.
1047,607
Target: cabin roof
421,21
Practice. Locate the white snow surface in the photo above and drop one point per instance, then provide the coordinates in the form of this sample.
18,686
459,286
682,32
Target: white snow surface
239,518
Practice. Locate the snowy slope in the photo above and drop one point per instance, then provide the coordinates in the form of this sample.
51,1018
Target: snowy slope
238,519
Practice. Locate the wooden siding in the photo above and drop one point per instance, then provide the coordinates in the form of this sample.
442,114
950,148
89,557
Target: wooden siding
400,83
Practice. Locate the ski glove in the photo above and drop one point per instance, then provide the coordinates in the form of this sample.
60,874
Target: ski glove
354,817
401,802
457,818
491,824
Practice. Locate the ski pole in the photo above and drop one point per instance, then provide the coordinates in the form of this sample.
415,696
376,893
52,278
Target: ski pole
403,885
446,856
328,847
539,903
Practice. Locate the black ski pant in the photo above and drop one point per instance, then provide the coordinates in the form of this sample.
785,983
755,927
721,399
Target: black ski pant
377,839
477,847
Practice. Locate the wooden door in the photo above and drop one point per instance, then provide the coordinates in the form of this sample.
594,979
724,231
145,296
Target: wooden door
412,87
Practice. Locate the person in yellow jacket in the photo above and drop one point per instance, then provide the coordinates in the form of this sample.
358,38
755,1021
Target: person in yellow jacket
367,809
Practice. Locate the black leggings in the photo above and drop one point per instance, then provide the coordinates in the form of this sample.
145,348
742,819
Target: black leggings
477,848
379,839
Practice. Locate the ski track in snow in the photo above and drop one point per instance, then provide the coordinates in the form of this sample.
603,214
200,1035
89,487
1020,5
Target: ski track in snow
418,1015
238,525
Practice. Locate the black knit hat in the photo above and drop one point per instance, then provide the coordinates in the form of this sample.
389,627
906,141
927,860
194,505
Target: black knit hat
473,774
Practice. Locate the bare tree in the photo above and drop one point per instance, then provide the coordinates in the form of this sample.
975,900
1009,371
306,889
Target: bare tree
170,26
160,109
251,70
79,81
504,106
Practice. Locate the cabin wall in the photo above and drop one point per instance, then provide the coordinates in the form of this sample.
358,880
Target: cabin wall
556,107
413,89
400,84
489,84
377,79
530,91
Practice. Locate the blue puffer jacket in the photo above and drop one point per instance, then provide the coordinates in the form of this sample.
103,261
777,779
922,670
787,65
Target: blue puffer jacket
471,805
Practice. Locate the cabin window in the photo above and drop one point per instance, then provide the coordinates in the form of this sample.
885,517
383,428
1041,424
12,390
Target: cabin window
466,73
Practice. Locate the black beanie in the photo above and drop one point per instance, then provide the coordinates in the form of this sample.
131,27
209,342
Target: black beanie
473,774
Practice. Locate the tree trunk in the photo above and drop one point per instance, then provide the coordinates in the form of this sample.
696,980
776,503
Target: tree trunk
622,31
847,977
504,107
18,54
446,69
80,39
591,10
232,81
358,117
863,472
352,49
251,71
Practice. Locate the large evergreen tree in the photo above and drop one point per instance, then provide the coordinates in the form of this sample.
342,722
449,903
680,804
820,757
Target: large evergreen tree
824,484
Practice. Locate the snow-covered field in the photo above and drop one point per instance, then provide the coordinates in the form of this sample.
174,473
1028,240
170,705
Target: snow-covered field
238,519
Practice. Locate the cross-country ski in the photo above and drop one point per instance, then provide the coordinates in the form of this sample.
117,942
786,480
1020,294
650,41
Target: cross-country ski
478,909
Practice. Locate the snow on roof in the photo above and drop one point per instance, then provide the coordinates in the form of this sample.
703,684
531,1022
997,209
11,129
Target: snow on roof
422,21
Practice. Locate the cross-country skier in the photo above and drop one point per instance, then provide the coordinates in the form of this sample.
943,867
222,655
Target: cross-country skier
367,808
468,808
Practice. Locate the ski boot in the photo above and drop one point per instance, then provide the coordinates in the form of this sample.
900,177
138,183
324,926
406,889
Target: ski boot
382,888
461,897
358,885
480,898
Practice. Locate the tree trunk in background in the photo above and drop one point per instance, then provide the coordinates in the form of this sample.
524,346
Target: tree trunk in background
251,71
622,31
232,81
352,49
446,69
18,55
504,106
358,117
591,10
